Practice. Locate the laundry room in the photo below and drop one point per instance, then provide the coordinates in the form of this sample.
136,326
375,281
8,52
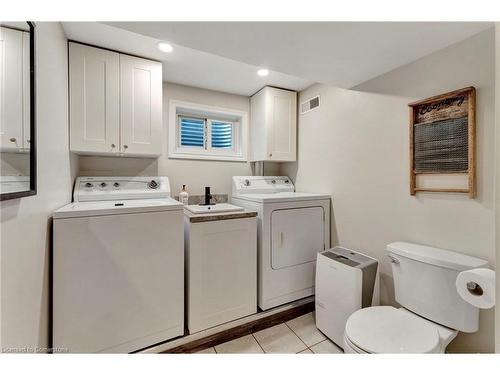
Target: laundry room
212,187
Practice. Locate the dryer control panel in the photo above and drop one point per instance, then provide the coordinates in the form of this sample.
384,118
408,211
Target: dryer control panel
261,185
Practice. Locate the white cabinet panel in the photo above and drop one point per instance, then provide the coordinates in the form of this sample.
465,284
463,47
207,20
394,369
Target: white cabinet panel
283,130
273,125
258,134
11,89
297,236
94,76
221,266
141,106
26,91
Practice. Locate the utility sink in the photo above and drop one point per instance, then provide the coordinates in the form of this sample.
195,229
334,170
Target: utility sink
213,209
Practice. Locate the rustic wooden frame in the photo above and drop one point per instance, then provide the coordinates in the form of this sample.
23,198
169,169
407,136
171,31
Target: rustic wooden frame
471,172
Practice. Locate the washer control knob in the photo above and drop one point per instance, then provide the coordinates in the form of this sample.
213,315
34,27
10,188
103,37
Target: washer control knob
103,184
246,182
273,182
116,184
88,185
287,182
153,184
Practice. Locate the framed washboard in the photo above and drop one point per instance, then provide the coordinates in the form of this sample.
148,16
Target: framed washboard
442,143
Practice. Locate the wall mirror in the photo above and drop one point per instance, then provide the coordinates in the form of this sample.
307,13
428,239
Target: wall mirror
17,110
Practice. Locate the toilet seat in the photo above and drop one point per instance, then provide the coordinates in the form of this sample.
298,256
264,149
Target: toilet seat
350,348
385,329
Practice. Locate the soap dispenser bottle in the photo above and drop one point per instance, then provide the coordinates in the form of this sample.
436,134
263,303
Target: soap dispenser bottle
184,196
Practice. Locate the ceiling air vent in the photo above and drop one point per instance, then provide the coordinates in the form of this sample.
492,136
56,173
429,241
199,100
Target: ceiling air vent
309,105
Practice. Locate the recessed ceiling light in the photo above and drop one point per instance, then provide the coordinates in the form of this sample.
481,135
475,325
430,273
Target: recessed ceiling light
165,47
262,72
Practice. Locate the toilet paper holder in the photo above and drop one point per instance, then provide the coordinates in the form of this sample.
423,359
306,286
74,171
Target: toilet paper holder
474,288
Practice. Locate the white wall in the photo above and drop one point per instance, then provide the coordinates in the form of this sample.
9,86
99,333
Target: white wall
355,147
25,222
196,174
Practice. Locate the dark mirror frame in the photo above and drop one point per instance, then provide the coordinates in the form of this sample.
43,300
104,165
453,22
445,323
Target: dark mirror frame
32,190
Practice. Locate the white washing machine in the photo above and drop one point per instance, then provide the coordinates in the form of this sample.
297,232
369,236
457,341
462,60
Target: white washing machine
118,266
292,228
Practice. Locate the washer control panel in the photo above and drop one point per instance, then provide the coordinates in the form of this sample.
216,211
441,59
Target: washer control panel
114,188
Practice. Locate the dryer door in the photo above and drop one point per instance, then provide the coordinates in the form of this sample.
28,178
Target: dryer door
297,236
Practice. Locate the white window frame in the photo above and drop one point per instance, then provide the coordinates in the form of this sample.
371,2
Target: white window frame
239,120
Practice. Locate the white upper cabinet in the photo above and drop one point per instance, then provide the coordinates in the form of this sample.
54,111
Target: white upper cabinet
14,90
273,125
26,91
115,103
94,85
141,106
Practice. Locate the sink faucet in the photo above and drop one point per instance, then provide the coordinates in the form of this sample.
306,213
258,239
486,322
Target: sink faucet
208,197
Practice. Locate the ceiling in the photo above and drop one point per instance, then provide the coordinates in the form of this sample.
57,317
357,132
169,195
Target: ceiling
342,54
16,25
224,56
184,65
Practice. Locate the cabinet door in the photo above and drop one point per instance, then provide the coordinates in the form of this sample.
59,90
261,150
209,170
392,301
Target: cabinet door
26,91
141,106
11,89
258,128
94,84
281,124
221,272
298,234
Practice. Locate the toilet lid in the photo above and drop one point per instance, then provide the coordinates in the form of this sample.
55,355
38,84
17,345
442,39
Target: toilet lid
385,329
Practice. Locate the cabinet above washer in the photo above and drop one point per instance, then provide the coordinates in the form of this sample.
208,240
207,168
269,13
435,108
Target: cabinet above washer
273,127
115,103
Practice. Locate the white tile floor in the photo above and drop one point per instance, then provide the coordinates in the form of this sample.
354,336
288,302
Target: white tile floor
299,335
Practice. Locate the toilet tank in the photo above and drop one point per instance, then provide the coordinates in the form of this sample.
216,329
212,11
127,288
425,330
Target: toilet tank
424,282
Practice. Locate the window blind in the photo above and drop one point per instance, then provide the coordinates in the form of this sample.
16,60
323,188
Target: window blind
192,132
222,134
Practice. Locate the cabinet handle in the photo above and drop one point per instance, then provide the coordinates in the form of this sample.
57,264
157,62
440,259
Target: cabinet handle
281,239
125,147
270,155
28,141
13,140
113,145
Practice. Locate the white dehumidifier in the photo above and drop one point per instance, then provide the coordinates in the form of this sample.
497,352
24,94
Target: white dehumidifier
345,283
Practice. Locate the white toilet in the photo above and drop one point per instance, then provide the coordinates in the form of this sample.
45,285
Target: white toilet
432,312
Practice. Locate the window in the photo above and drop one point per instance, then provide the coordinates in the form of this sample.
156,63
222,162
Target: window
202,132
206,133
